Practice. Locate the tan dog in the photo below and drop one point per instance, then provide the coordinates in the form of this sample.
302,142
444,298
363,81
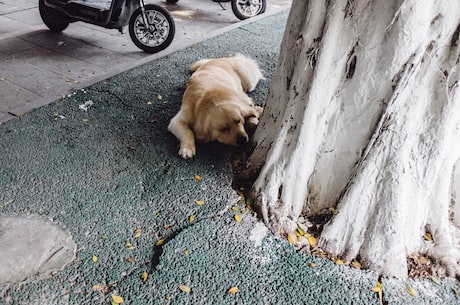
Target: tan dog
215,106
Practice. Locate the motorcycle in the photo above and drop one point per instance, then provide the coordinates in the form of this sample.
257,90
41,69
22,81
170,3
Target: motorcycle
243,9
151,27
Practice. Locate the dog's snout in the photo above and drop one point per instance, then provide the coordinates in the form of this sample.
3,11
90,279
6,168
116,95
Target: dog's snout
242,139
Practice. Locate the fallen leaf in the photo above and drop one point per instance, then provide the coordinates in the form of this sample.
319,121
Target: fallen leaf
233,290
144,276
379,290
130,259
236,209
427,236
339,262
149,102
300,232
159,97
186,252
312,265
104,236
185,288
129,245
292,238
197,178
422,260
160,242
199,202
167,227
191,218
311,240
97,287
356,264
85,120
117,299
411,291
238,217
137,233
436,280
94,258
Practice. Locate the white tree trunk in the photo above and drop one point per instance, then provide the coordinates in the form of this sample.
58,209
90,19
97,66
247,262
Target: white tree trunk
364,115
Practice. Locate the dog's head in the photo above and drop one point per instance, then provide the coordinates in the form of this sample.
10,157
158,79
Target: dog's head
226,123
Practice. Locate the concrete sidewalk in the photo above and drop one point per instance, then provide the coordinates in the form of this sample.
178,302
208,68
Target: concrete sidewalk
147,225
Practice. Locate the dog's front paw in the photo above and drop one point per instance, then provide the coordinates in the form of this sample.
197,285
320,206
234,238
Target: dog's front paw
187,152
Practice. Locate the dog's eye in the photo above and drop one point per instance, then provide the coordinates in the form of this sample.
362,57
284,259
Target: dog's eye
225,129
237,121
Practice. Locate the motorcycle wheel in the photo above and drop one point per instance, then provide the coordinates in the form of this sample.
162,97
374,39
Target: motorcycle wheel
244,9
53,19
159,32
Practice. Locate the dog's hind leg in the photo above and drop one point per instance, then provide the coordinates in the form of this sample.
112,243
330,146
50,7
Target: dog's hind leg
184,134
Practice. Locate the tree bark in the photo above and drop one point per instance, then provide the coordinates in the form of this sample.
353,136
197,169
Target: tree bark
363,116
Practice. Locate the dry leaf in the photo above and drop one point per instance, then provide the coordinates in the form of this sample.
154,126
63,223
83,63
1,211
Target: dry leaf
97,287
160,242
411,291
292,238
85,120
130,259
427,236
233,290
186,252
339,262
199,202
422,260
197,178
167,227
378,289
238,217
191,218
159,97
137,233
311,240
144,276
129,245
117,299
356,264
436,280
312,265
185,288
94,258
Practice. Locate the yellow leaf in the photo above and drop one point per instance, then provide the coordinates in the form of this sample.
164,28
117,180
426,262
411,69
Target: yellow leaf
411,291
197,178
339,262
282,231
356,264
117,299
311,240
191,218
160,242
238,217
233,290
378,289
129,245
427,236
422,260
97,287
186,252
199,202
185,288
137,233
292,238
94,258
144,276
